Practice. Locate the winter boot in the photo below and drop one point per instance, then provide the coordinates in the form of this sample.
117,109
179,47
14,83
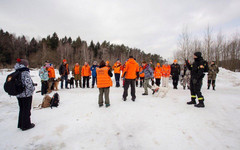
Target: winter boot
184,87
200,104
107,105
208,87
193,101
144,94
213,88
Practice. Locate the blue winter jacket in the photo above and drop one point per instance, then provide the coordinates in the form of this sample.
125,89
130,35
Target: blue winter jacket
148,72
43,73
93,69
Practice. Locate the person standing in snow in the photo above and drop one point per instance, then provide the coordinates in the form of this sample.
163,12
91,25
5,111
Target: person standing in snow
153,67
51,75
212,74
141,76
158,74
197,74
131,72
76,72
94,74
43,74
117,71
186,77
64,72
25,98
166,70
104,82
86,73
148,73
175,72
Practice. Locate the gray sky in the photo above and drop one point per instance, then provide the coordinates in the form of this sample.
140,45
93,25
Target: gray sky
151,25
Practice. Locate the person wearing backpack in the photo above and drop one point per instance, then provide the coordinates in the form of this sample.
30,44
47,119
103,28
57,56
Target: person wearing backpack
43,74
25,98
197,74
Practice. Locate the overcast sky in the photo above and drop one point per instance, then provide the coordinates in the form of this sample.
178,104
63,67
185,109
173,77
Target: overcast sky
151,25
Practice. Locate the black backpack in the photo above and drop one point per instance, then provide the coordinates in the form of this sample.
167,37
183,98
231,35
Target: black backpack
13,85
205,64
55,100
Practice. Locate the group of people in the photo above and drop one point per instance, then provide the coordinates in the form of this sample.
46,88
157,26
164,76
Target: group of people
102,73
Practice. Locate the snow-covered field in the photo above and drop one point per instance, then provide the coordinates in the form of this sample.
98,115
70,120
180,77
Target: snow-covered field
150,123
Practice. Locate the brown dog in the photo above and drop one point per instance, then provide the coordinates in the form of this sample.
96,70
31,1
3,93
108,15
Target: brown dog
46,101
56,83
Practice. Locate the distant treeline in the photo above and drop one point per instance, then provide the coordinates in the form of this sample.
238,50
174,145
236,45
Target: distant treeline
55,50
222,49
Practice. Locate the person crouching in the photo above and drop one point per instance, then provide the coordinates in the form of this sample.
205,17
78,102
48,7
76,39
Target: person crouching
104,82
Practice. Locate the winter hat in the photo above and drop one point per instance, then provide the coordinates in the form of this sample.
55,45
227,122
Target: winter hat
198,54
158,64
23,62
107,62
64,60
175,61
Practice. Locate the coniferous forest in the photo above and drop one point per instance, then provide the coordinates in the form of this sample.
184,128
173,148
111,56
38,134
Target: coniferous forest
54,49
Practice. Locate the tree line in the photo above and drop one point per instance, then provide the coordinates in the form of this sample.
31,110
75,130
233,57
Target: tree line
224,50
55,49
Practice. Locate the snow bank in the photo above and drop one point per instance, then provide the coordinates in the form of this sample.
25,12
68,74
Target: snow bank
149,123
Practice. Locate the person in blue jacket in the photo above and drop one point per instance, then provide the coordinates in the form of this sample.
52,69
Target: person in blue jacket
94,74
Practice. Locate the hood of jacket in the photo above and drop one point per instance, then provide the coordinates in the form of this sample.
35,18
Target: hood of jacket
20,67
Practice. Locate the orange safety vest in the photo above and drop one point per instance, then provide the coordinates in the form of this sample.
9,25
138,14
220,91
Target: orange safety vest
158,72
86,71
166,70
142,74
117,68
76,69
51,72
103,79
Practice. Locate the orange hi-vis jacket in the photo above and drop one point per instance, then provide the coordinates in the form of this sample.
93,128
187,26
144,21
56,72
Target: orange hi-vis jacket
131,69
103,79
117,68
142,74
166,70
158,72
51,72
76,69
86,71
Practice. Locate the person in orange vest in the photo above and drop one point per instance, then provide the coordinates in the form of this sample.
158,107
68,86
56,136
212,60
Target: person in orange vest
166,70
76,72
142,75
94,74
86,73
64,72
51,75
117,72
131,72
104,82
158,74
108,65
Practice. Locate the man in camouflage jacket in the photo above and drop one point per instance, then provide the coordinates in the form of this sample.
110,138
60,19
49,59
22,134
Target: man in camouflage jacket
212,74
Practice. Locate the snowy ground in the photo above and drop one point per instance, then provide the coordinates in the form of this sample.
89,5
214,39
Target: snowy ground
150,123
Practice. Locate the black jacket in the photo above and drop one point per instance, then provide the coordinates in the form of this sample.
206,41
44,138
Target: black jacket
63,70
197,69
175,70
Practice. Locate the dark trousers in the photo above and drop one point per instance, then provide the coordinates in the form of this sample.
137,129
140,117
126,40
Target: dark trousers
44,87
117,78
80,83
195,89
141,81
94,80
175,81
86,79
130,82
158,82
211,81
25,105
136,82
64,77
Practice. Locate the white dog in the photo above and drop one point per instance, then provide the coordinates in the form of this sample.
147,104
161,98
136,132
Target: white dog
162,90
